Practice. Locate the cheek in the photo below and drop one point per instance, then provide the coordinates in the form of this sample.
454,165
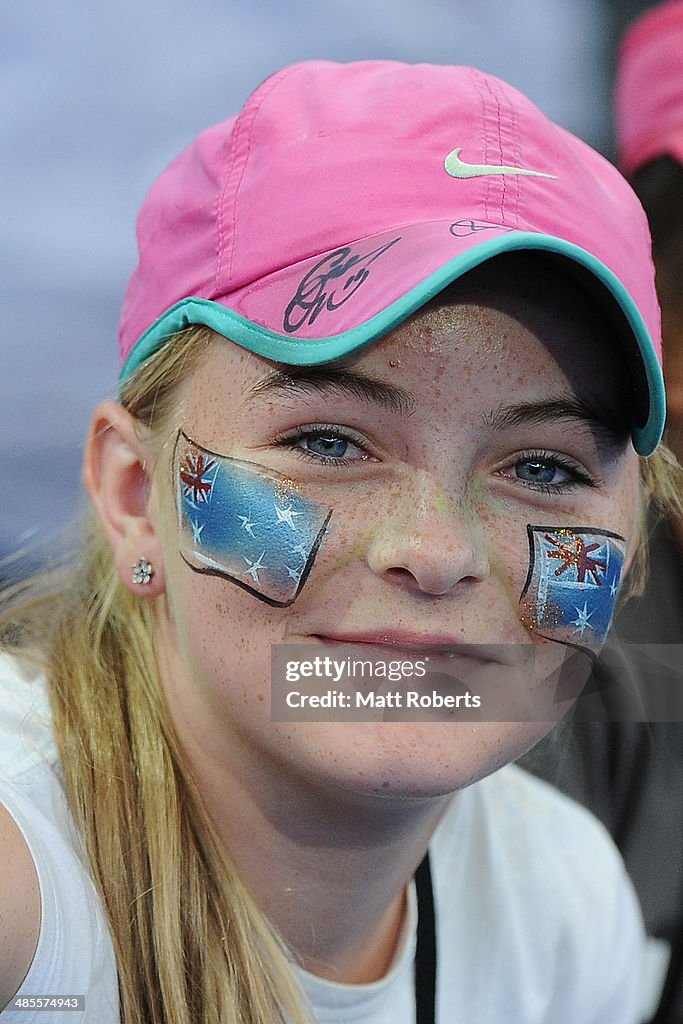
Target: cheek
217,650
564,570
572,585
244,524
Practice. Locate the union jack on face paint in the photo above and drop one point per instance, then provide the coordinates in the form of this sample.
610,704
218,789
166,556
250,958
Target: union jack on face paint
245,523
573,583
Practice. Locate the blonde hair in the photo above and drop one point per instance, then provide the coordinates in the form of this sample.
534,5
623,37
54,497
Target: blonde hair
662,480
191,945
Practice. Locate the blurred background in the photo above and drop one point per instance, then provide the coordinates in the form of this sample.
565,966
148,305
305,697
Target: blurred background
95,101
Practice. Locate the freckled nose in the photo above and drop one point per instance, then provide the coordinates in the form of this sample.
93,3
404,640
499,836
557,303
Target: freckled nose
429,543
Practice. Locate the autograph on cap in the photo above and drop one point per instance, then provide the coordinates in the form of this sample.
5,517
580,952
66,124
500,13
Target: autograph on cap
331,283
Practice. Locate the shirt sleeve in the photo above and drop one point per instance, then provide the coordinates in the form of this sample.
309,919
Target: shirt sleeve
74,955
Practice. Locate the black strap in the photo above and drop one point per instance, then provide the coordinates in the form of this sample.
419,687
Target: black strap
425,951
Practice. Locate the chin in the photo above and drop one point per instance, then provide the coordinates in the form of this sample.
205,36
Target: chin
425,760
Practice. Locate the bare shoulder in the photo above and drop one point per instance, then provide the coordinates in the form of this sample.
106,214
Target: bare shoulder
19,907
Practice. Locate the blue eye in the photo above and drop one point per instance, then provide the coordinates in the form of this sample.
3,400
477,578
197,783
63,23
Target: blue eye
549,472
326,445
535,471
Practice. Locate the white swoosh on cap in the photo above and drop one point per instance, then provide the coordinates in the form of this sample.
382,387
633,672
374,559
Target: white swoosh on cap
457,168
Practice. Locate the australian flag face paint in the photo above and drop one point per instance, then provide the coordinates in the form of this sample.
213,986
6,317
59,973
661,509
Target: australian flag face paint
573,582
245,523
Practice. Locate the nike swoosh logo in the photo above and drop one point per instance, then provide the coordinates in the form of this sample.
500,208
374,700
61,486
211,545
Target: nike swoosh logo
457,168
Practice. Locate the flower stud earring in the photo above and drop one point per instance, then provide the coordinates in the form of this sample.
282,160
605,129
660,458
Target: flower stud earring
142,571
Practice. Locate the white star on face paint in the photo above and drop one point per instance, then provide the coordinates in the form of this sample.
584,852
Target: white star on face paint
293,574
247,525
286,515
583,615
254,567
613,588
196,531
301,549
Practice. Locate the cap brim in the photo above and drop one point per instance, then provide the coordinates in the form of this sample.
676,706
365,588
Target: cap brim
294,299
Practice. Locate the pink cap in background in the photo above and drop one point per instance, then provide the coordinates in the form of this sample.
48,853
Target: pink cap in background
649,88
345,196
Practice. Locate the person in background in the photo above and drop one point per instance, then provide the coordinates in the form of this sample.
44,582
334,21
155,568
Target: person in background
649,136
629,769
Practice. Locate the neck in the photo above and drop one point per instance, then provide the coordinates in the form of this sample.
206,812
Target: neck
328,870
331,880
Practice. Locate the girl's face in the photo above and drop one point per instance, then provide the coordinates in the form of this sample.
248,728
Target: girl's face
418,467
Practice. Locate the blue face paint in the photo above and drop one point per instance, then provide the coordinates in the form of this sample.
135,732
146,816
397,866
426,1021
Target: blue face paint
571,590
245,523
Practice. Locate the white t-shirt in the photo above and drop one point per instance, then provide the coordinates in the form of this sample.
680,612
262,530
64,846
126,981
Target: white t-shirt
537,922
74,956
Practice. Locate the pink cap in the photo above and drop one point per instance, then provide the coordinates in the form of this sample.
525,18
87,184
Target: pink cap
345,196
649,88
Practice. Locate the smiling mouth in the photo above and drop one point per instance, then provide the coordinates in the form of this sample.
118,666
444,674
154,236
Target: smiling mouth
440,648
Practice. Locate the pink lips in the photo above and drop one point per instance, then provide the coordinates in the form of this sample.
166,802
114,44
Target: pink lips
431,644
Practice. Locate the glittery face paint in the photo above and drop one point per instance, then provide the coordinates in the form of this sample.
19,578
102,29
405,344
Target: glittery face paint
240,521
571,590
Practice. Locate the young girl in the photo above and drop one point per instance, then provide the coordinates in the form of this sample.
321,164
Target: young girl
463,497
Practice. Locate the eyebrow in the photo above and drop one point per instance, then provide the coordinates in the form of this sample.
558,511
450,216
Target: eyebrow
610,430
298,380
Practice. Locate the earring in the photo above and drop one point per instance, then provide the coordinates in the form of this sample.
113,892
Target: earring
142,571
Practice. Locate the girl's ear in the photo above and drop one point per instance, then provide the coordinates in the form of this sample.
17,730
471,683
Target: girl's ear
116,475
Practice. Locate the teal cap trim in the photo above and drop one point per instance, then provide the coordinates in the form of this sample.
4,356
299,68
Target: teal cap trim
312,351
